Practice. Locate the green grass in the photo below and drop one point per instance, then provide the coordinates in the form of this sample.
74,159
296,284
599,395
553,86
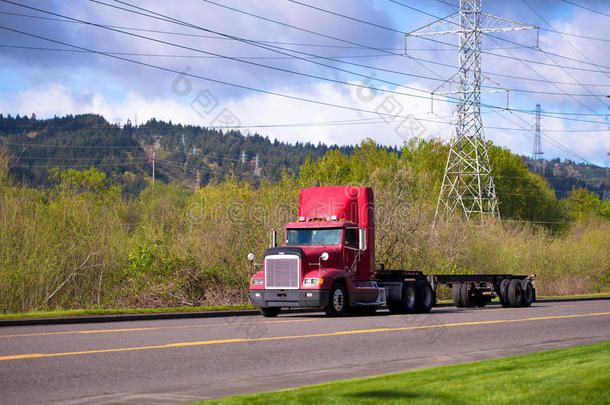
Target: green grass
578,375
87,312
590,295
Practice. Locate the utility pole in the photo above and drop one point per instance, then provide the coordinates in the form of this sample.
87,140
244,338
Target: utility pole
468,183
257,169
537,153
151,159
197,181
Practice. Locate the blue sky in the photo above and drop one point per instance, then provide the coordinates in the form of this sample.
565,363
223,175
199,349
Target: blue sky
570,75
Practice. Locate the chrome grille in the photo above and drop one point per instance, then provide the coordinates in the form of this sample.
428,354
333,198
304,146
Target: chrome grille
282,271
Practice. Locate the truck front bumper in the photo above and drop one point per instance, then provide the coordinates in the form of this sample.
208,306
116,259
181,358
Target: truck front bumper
289,298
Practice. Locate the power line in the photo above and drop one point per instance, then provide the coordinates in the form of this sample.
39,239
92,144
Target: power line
546,29
586,8
222,82
309,45
573,47
502,39
176,21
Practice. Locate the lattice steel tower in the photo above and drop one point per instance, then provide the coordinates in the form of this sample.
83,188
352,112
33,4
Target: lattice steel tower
537,152
468,182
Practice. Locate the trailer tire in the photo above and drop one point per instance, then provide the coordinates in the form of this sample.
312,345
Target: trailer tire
503,293
515,293
456,295
465,296
425,296
528,294
270,312
337,302
409,298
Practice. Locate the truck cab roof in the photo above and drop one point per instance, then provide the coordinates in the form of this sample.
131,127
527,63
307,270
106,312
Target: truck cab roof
320,224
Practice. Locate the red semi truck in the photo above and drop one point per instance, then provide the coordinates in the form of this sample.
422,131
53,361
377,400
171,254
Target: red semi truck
328,261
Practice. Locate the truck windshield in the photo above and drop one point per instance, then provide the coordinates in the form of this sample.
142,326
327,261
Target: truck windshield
309,237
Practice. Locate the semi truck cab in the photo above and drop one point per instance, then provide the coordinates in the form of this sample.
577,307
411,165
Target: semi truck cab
328,256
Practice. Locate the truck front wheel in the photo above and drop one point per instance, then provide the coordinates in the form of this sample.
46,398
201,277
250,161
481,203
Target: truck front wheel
270,312
337,302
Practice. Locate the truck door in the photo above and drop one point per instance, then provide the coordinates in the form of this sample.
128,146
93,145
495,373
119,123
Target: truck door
350,250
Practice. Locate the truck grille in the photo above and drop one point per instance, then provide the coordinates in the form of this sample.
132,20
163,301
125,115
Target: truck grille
282,271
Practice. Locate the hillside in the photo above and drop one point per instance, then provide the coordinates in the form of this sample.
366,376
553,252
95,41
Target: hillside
82,141
563,175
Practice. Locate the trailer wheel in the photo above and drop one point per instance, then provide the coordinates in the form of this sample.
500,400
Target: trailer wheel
409,298
515,293
337,303
425,296
528,294
456,295
270,312
465,295
503,293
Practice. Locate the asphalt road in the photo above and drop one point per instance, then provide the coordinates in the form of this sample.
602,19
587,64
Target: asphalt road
177,361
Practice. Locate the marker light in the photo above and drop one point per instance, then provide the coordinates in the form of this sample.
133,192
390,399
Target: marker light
301,219
333,218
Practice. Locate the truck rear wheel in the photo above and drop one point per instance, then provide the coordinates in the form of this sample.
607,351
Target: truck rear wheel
337,302
515,293
409,298
270,312
425,296
528,294
503,293
456,295
465,295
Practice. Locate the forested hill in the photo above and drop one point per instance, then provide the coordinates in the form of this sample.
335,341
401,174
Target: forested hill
564,175
82,141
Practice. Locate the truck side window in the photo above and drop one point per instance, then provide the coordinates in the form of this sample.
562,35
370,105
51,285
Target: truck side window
351,238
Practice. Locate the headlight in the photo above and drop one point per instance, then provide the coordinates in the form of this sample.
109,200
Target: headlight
313,281
256,281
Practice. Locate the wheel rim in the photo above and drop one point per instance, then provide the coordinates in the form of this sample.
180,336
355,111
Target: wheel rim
527,294
338,300
410,301
518,294
428,298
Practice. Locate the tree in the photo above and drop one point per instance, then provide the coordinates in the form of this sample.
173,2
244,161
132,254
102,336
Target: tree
582,204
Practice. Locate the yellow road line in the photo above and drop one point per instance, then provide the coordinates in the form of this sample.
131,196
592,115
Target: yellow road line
202,325
264,339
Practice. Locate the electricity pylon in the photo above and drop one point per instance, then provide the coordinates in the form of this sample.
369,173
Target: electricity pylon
537,153
468,181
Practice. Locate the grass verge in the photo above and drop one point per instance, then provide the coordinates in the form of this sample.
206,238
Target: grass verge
578,375
88,312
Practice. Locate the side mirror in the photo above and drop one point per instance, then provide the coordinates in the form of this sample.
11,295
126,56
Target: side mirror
250,257
362,239
273,239
324,256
